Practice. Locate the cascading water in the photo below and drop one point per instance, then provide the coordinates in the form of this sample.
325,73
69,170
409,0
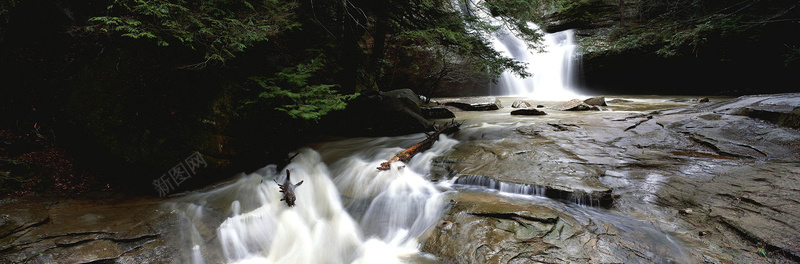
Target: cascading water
553,69
346,212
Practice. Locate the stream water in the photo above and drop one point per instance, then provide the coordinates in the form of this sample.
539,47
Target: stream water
347,211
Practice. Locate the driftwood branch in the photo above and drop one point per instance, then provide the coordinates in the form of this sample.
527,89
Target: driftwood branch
431,137
287,188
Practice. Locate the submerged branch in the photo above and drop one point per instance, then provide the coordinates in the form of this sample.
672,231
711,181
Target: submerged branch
407,154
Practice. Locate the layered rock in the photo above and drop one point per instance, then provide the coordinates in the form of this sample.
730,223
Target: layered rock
521,156
475,104
520,104
531,111
483,228
76,231
574,105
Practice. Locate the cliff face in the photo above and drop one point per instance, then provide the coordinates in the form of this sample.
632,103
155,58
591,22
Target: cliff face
684,47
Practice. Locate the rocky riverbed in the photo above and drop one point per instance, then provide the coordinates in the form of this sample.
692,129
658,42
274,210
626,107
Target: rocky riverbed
651,180
719,184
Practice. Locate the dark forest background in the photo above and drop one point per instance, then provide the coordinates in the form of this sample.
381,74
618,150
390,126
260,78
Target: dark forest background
100,95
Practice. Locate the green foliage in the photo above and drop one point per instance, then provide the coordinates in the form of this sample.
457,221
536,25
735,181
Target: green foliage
293,92
439,41
220,28
688,27
515,15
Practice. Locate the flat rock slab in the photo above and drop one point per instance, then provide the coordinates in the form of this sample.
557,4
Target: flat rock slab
783,109
574,105
520,104
757,201
84,231
529,112
474,104
490,228
597,100
485,228
511,155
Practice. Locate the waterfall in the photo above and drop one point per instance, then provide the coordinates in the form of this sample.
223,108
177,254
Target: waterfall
346,211
554,69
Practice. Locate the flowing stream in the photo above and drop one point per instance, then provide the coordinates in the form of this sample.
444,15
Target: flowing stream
346,211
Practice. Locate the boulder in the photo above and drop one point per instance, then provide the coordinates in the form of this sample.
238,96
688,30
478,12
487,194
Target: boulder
619,101
409,99
521,157
781,109
531,111
597,100
87,231
475,104
520,104
437,113
691,100
487,228
574,105
379,114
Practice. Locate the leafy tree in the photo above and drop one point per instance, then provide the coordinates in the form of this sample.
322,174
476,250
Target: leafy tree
693,27
291,92
220,28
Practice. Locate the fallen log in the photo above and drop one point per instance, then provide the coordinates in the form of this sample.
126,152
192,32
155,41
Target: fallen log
287,188
407,154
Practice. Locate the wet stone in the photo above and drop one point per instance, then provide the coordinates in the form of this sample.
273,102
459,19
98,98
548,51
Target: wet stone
528,112
574,105
475,104
520,104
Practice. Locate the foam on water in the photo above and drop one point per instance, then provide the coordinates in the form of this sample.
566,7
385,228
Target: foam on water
346,212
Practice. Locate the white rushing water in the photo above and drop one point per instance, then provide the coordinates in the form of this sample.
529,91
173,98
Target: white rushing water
346,210
554,69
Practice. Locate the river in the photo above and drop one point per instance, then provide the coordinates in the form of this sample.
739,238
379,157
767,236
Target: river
347,211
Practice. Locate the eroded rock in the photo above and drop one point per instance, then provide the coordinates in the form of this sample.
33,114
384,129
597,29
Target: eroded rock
485,228
475,104
574,105
520,104
597,100
75,231
521,156
530,111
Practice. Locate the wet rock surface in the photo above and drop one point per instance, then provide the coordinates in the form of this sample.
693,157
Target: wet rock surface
474,104
531,111
482,228
85,231
520,104
700,183
490,228
524,156
737,174
597,100
574,105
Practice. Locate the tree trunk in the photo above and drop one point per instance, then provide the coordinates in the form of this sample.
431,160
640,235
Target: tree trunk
407,154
